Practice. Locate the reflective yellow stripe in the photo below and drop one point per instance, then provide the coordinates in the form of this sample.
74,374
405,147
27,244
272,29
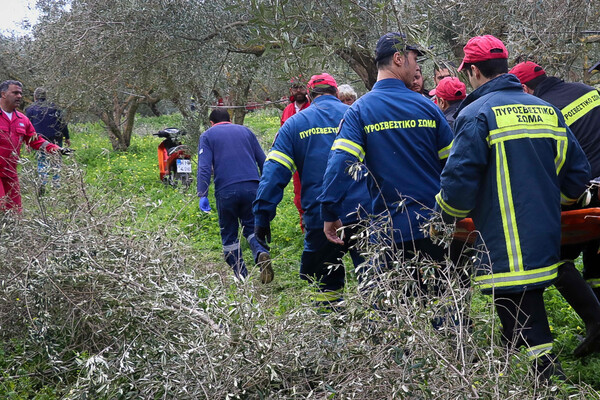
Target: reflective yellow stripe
449,209
445,152
350,147
581,106
331,295
526,132
534,132
517,278
565,201
507,209
594,283
539,350
283,159
561,154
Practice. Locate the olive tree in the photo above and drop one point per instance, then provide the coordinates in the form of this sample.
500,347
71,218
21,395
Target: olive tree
107,58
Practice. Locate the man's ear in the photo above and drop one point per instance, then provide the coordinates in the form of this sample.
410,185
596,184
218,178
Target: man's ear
211,123
398,58
476,72
442,103
527,89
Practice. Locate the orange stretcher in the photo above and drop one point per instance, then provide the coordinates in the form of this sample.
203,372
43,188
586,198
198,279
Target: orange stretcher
578,226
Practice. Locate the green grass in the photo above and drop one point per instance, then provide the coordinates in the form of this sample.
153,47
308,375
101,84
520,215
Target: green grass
133,177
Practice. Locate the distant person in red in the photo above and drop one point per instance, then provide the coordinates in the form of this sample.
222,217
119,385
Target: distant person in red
298,99
15,128
298,102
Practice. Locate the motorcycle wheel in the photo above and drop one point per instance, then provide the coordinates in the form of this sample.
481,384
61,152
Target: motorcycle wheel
172,179
186,180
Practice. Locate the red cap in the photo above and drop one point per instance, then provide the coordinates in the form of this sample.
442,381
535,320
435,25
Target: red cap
483,48
451,89
526,71
322,79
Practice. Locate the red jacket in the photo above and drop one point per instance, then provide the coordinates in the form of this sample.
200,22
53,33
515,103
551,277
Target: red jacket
291,110
288,112
12,135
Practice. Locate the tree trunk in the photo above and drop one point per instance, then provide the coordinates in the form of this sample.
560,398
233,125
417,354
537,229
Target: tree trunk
120,139
242,88
362,62
130,120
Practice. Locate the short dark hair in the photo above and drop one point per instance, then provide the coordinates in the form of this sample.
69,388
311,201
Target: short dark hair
489,68
4,85
444,65
532,84
386,61
325,89
219,115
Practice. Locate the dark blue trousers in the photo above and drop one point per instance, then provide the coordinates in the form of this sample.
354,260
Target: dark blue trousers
322,260
234,206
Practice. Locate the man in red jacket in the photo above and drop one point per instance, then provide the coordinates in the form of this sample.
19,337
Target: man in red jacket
15,128
299,101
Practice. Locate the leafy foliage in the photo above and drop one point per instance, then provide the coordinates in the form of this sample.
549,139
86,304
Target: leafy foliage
115,289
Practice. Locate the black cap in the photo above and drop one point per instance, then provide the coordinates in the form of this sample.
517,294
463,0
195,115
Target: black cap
391,43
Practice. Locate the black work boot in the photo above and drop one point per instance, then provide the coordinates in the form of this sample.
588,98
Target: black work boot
581,297
266,269
237,264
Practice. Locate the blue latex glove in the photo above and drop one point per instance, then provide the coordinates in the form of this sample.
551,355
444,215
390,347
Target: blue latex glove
204,204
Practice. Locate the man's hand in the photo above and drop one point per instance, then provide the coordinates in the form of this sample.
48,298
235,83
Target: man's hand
432,231
204,204
65,151
263,235
330,229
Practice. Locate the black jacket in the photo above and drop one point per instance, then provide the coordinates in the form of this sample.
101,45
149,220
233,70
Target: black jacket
580,105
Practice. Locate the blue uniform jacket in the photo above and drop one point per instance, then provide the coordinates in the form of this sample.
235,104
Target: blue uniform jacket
580,105
233,152
403,139
512,163
303,143
48,121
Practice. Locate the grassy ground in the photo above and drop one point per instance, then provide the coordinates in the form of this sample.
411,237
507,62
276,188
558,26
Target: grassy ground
132,178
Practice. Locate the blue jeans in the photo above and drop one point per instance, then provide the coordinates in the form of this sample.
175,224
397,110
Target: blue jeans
47,165
234,206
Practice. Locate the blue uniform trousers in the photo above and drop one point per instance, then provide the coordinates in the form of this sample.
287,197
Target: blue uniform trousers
321,262
234,206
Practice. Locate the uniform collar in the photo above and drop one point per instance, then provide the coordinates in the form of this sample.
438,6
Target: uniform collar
389,83
502,82
15,115
452,108
325,98
546,84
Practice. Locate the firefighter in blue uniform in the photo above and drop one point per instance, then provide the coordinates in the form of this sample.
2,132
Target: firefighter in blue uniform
580,105
512,163
303,144
403,139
